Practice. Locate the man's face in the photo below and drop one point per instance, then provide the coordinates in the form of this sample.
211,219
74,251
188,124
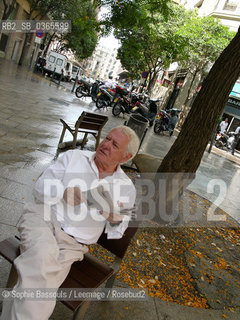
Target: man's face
112,149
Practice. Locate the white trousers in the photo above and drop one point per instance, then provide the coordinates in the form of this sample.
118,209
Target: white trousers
47,254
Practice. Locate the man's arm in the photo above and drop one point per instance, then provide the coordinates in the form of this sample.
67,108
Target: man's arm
44,189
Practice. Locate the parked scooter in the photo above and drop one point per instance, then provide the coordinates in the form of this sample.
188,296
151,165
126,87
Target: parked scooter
224,140
40,63
86,89
105,97
166,121
148,110
126,101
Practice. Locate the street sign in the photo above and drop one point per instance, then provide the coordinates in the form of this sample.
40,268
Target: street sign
144,74
39,33
38,40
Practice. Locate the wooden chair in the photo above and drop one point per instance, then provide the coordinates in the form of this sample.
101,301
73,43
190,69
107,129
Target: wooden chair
87,123
88,273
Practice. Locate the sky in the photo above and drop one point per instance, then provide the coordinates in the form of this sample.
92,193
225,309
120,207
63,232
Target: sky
110,41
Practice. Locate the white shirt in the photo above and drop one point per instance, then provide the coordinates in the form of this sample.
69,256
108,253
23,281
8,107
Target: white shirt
78,167
223,126
237,131
109,84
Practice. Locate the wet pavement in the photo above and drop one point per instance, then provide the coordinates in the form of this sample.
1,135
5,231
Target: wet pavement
30,109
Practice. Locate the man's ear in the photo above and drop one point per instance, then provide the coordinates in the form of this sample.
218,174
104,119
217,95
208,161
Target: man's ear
126,157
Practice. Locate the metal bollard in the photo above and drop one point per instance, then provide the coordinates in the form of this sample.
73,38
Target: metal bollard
60,78
75,82
53,74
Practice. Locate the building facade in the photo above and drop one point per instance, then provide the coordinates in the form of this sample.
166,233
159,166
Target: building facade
228,11
103,63
11,44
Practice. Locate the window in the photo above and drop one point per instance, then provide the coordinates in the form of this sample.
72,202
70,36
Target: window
52,59
230,5
59,62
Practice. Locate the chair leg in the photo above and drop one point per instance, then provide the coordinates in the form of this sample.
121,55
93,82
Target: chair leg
74,140
97,140
81,311
84,140
12,278
110,281
62,135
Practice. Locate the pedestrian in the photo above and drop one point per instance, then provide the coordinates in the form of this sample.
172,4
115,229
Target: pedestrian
52,234
223,125
109,83
236,139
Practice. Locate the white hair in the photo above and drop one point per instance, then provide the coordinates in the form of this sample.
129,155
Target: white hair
134,142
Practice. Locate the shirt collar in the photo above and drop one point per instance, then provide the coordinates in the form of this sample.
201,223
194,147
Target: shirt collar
91,157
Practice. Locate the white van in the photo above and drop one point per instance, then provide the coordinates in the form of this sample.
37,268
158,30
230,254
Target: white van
58,62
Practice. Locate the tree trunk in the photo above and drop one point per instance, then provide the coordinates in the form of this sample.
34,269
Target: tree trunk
26,45
170,89
192,93
8,9
48,44
151,83
27,39
184,157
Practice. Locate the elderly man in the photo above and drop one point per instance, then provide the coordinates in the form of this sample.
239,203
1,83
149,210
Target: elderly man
56,230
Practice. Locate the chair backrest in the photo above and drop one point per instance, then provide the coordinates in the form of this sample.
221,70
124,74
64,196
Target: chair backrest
119,246
91,121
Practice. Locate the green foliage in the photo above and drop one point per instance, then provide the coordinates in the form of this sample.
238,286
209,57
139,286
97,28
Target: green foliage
147,34
83,38
155,33
203,39
41,8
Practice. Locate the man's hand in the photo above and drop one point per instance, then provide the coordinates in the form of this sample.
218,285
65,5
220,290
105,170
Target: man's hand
73,196
113,218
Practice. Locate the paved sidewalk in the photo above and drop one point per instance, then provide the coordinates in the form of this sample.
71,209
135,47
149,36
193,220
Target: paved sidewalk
30,108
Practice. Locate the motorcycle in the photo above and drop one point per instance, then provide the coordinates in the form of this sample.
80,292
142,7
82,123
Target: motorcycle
86,89
166,121
105,97
125,101
148,111
224,140
40,63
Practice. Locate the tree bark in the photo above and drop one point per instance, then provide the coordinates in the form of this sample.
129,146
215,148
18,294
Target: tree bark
48,44
170,89
152,82
26,41
192,92
8,9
